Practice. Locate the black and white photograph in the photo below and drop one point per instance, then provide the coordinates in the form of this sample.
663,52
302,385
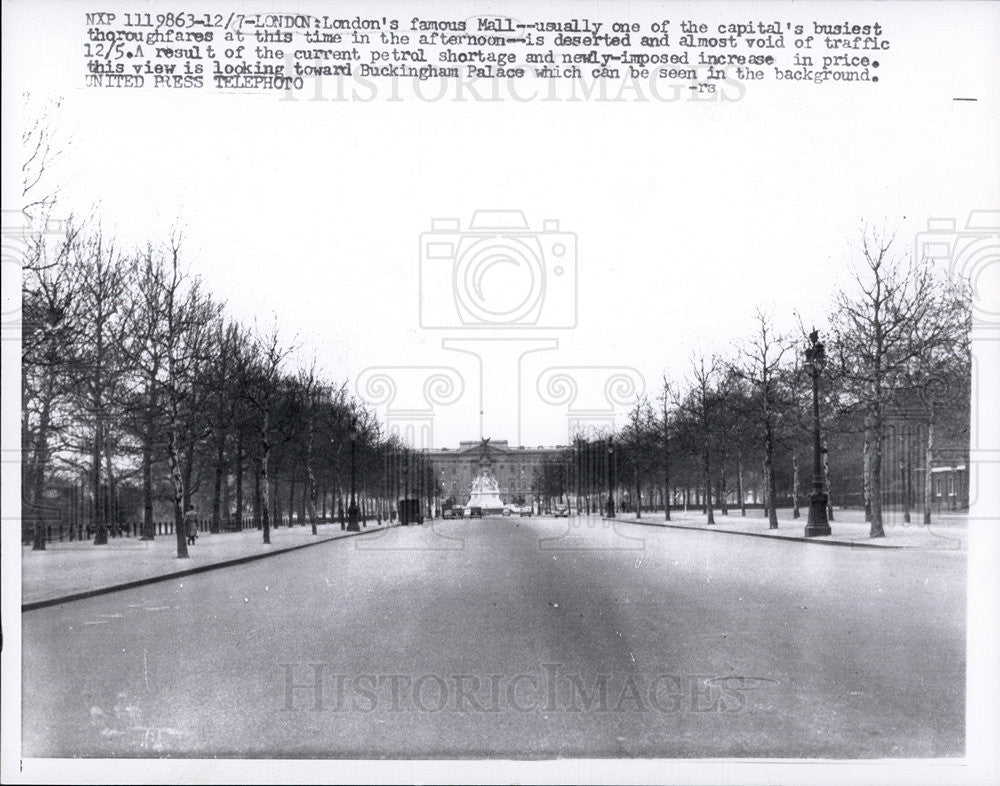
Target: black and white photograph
501,392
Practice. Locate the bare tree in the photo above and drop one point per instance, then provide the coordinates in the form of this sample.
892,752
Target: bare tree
937,380
52,321
636,443
700,404
761,359
229,341
102,369
665,399
311,394
262,393
875,341
147,360
185,320
41,148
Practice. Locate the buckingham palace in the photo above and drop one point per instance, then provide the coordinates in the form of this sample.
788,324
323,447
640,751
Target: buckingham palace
515,468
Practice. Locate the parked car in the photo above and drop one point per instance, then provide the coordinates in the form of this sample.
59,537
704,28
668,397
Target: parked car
560,511
475,513
507,511
526,510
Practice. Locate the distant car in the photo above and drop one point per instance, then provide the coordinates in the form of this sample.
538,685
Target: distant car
560,511
475,513
507,511
526,510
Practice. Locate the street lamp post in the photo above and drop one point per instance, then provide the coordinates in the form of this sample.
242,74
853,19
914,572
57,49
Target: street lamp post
610,512
352,506
818,524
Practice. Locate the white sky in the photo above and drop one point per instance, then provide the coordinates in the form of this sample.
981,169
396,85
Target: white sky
687,215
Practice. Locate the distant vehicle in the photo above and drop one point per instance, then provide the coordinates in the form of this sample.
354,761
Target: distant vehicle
475,513
526,510
560,511
507,511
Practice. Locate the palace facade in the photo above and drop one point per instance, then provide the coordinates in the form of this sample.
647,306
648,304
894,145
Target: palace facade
516,468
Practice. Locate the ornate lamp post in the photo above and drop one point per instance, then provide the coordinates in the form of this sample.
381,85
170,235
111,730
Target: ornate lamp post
352,507
610,512
818,523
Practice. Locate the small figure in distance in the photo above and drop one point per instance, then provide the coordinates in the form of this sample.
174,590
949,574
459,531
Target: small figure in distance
191,525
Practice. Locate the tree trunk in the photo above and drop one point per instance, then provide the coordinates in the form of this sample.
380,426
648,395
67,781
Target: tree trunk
904,466
265,452
723,491
178,488
148,528
303,504
666,468
795,486
258,504
278,517
770,485
928,466
112,491
238,510
220,466
311,477
867,475
875,485
739,484
188,474
227,502
100,523
826,484
708,484
41,460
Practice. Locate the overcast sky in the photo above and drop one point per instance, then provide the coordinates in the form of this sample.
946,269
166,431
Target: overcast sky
685,216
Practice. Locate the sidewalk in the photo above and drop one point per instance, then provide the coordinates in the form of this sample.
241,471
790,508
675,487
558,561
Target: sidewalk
66,569
947,531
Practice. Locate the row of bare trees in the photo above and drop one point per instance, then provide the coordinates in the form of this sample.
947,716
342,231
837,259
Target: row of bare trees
133,374
898,362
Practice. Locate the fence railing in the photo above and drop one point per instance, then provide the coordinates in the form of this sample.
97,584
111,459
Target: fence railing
59,532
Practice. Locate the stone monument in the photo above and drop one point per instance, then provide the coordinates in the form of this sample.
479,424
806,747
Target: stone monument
485,491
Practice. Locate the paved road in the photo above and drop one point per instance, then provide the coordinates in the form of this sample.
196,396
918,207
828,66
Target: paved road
518,637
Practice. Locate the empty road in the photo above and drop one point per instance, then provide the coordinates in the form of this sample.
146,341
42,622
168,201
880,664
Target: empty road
523,637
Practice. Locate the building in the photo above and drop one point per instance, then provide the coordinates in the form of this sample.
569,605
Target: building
518,470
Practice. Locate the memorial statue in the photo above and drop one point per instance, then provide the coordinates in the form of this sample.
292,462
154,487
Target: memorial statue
484,484
484,493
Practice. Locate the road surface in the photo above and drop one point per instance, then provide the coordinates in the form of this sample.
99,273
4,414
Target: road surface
519,637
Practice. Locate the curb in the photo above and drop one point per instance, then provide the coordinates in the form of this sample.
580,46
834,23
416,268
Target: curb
851,544
42,604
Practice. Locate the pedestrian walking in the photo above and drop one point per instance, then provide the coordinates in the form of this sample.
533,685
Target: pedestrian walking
191,525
